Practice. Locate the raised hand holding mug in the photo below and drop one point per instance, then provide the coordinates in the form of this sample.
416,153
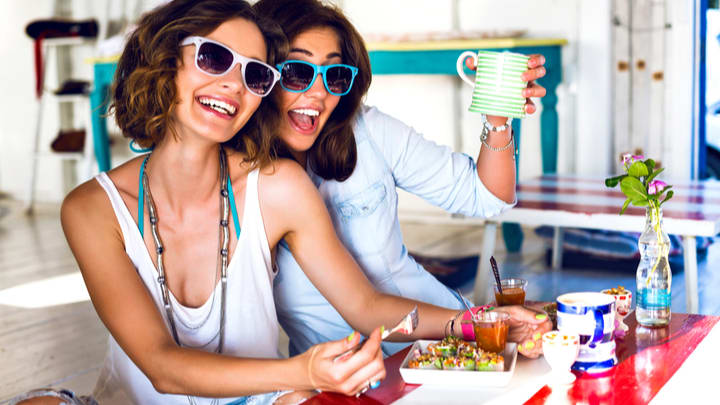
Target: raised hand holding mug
498,84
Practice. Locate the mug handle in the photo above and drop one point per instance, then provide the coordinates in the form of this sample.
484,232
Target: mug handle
461,66
599,327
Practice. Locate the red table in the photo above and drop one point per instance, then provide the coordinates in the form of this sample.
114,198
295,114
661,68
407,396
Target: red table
647,359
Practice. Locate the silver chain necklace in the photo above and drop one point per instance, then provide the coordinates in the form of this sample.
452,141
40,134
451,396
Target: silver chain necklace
224,242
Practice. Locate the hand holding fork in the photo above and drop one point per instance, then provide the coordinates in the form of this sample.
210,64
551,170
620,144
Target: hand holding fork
406,326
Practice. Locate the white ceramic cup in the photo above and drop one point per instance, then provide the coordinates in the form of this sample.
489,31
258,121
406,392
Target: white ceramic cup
560,350
623,304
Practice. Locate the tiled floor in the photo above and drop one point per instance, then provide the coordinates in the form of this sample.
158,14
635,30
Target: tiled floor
50,335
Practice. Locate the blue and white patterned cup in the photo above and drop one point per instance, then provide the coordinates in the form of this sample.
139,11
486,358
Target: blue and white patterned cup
592,316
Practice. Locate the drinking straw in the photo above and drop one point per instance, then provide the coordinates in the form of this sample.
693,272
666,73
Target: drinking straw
472,314
495,271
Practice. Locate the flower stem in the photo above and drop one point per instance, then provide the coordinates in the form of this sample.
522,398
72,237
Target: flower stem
655,218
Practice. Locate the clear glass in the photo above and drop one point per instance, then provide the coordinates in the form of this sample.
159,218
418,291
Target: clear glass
654,278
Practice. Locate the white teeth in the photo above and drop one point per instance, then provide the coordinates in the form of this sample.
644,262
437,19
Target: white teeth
307,111
218,105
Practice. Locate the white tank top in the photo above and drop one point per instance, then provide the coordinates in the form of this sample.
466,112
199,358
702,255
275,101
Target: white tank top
251,327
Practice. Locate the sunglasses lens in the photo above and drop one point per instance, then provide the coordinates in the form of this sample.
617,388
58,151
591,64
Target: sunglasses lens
259,78
338,79
214,59
297,76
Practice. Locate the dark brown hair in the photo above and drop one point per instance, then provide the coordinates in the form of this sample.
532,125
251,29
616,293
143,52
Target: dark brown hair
144,93
334,154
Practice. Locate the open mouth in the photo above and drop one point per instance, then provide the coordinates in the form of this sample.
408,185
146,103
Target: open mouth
218,106
304,119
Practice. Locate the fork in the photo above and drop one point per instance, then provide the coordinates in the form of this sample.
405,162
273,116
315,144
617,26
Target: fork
406,326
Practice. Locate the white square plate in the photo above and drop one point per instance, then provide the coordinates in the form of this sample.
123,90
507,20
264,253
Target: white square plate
459,378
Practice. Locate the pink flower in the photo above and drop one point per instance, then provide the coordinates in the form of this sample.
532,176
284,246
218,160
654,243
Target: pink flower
656,187
629,159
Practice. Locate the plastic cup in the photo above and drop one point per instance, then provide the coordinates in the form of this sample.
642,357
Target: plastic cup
513,292
491,329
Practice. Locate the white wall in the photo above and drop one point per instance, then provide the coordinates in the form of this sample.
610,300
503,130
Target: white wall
424,102
678,93
18,106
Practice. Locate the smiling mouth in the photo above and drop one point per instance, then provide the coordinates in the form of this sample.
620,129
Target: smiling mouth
217,105
304,119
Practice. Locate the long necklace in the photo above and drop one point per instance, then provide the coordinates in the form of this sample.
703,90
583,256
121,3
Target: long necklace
225,240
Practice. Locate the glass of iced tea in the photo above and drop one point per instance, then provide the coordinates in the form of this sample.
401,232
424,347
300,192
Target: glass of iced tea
513,292
491,329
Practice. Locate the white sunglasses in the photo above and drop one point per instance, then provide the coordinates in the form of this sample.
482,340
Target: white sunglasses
216,59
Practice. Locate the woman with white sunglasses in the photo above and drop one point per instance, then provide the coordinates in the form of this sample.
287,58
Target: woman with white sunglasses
175,245
357,156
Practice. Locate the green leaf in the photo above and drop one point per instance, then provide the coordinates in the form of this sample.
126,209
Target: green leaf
665,190
613,181
625,205
640,203
638,169
633,189
667,196
654,174
650,165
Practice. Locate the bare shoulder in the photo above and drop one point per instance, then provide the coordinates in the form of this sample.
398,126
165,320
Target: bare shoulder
88,205
87,201
287,198
284,178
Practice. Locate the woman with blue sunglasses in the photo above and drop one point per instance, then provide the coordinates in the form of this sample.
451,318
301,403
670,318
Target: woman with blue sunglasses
357,156
175,245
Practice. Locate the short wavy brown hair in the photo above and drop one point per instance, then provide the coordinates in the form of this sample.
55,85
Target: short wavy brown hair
144,95
334,153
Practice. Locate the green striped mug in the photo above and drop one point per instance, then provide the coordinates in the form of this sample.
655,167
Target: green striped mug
498,84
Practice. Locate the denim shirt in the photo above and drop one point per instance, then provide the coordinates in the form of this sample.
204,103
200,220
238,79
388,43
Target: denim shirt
364,211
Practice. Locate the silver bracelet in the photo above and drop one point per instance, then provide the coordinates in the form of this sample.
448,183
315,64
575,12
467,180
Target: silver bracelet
484,136
487,127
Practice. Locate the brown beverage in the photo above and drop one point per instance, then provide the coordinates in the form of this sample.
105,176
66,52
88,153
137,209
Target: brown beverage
491,335
510,296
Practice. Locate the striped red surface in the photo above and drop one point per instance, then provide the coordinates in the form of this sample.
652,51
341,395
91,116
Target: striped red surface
690,185
647,359
692,201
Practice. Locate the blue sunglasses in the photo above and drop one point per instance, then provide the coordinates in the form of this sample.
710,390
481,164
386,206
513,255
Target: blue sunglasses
298,76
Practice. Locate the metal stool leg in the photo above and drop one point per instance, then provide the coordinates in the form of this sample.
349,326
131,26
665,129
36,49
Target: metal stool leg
33,169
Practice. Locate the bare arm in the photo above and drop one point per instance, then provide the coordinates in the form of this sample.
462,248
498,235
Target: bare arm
308,230
310,235
496,169
127,310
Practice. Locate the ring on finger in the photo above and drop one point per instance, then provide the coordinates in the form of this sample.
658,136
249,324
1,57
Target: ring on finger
374,384
364,390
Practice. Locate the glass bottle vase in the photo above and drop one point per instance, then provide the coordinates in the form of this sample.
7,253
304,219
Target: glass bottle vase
653,277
